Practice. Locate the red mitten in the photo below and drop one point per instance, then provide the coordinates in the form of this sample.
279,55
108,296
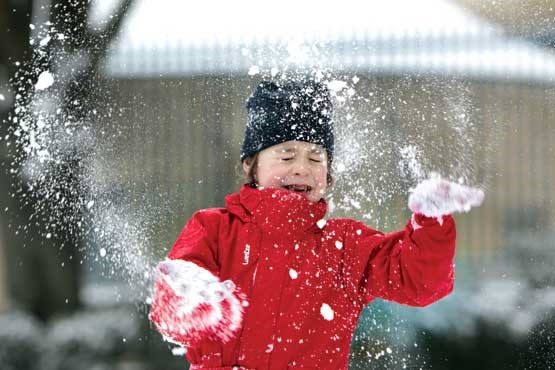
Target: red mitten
436,197
191,304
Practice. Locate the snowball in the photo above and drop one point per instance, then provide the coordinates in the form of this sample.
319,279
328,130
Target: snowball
293,274
326,312
45,81
337,85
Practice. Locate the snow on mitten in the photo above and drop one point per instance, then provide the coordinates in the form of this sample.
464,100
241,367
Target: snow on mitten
190,304
436,197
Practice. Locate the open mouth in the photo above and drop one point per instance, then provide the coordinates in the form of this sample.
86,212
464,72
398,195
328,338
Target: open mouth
298,188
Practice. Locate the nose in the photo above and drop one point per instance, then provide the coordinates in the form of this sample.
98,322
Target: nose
300,168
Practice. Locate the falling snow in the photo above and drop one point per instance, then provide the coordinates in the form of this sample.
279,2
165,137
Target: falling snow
326,312
338,244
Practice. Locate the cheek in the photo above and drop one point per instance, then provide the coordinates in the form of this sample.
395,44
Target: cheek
321,177
271,175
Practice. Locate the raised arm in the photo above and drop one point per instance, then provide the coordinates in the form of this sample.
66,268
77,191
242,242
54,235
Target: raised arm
413,266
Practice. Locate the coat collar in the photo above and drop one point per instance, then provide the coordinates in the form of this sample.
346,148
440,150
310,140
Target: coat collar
276,210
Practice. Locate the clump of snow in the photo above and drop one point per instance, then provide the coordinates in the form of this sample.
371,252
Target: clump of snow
189,280
436,197
44,81
179,351
338,244
253,70
293,274
321,223
44,41
326,311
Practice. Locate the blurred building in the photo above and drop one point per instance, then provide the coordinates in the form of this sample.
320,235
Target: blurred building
461,90
529,19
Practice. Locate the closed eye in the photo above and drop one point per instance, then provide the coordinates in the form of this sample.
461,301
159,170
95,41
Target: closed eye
287,159
316,160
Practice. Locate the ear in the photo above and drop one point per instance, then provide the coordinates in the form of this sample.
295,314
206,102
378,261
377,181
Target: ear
246,166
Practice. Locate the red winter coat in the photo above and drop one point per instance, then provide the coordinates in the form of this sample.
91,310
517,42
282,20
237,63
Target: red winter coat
307,281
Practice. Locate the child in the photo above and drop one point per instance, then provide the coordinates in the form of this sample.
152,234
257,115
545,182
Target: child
266,282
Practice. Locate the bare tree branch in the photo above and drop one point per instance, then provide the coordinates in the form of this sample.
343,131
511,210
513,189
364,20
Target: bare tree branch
104,39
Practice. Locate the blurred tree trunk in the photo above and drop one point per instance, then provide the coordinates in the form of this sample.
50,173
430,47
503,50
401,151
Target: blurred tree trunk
43,272
14,46
4,300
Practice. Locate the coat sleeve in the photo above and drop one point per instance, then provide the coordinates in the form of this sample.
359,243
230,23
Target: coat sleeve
413,267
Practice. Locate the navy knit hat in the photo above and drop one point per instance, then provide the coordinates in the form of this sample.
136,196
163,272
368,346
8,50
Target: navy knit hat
295,110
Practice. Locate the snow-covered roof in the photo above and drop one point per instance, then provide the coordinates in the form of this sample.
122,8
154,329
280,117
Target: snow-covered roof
176,37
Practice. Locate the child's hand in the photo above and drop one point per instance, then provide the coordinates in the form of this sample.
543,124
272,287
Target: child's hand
436,197
190,304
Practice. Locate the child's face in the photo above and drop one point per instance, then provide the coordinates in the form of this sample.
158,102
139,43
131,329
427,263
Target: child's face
293,165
